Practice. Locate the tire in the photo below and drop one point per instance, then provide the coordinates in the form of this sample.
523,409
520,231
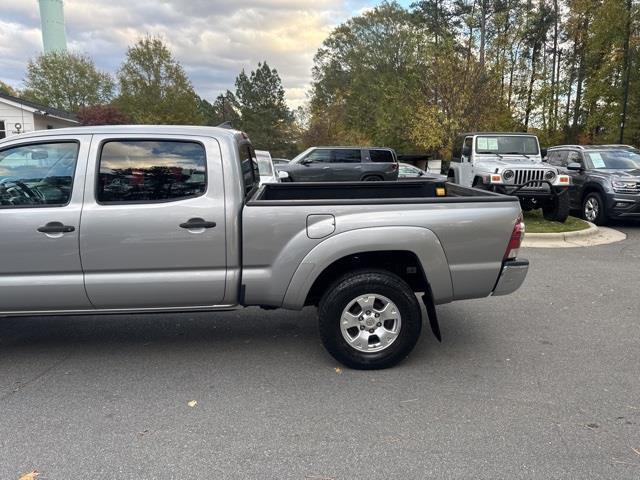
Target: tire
557,209
451,177
479,184
372,178
594,209
370,293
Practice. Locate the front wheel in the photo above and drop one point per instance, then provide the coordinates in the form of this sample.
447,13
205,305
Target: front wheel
557,209
369,319
593,209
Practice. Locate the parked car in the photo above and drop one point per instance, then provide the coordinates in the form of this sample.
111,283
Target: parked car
280,161
406,170
268,172
511,164
606,179
131,219
343,164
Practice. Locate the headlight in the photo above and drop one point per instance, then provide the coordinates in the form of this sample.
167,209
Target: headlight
508,175
549,175
624,185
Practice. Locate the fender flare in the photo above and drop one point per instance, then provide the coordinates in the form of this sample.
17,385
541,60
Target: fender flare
420,241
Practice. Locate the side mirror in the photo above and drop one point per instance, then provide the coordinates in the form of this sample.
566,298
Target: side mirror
283,176
543,152
305,161
466,151
421,173
574,166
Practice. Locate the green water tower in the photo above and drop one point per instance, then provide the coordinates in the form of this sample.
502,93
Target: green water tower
54,38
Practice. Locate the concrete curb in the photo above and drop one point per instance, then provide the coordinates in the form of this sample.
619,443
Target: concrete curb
593,235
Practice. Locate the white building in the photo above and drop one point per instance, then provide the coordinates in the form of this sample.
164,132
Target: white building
19,116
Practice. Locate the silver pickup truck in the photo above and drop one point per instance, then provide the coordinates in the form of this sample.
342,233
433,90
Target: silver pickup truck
166,219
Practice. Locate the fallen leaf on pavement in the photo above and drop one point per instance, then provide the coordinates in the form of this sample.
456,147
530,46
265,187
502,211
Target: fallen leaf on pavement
338,370
30,476
192,403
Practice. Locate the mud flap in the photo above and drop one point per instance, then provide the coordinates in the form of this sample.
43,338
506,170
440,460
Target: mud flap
427,299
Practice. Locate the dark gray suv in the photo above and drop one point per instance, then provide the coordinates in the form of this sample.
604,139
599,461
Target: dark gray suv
605,179
343,164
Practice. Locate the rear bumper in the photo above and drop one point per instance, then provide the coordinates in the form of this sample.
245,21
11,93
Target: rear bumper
511,277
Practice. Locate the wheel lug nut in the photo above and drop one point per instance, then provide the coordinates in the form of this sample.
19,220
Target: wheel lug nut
371,330
377,315
368,312
361,327
379,324
361,318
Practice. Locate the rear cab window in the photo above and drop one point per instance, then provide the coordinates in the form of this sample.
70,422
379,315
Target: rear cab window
249,166
148,171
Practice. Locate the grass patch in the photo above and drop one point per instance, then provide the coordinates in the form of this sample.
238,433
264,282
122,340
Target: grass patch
535,222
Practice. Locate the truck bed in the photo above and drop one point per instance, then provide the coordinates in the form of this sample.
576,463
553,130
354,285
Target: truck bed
411,191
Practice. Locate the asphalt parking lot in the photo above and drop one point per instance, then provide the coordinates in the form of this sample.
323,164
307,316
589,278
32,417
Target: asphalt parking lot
542,384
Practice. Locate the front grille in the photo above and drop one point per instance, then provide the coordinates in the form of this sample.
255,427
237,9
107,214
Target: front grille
629,189
524,176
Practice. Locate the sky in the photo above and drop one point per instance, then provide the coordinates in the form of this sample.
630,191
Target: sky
213,39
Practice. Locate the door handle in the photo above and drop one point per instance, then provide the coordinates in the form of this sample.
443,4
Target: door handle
56,227
196,223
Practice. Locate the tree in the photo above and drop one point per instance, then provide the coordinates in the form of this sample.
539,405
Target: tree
223,109
102,115
264,113
154,88
67,81
7,89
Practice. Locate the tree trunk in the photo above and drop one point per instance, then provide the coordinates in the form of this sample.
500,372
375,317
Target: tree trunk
527,111
626,70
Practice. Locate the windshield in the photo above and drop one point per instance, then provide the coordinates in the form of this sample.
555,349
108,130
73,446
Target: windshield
622,159
507,144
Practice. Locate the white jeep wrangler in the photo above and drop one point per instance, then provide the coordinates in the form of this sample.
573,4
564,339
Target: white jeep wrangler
510,163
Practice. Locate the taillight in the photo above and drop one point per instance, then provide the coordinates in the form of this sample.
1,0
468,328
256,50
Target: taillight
516,239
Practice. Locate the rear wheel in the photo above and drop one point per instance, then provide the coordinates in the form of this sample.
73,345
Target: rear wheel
593,209
372,178
557,209
369,319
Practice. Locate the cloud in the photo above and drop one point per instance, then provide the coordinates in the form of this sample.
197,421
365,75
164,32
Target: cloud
213,39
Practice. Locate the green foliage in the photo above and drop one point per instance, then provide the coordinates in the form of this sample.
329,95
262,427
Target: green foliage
263,111
412,79
7,89
154,88
67,81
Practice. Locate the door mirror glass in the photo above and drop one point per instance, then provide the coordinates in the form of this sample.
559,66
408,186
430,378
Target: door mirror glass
466,151
543,153
575,166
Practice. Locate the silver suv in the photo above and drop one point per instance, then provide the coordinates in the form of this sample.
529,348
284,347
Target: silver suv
510,163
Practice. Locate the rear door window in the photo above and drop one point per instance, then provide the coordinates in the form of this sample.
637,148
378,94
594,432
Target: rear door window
37,174
147,171
345,155
321,155
381,156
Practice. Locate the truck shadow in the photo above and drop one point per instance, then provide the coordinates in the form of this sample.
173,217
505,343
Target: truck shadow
245,333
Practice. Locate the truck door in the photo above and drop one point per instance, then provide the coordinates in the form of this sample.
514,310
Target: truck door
466,165
153,222
41,188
